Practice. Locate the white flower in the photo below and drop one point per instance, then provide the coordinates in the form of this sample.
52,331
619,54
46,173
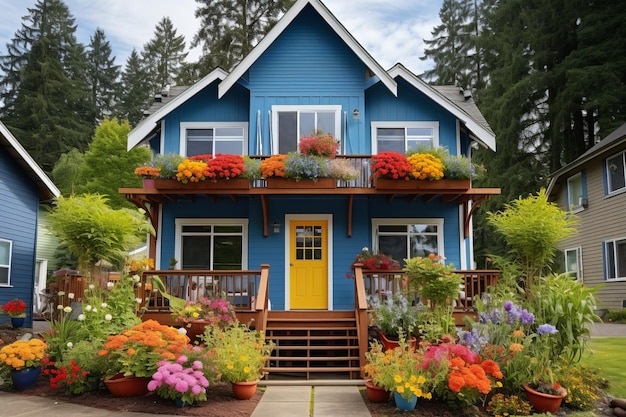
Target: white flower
68,309
61,293
110,285
88,307
108,317
104,305
60,307
95,310
138,300
136,278
70,345
70,296
182,330
365,249
81,317
91,286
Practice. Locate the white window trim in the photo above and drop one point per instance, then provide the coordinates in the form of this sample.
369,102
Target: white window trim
403,125
295,217
178,251
579,262
404,221
8,267
302,108
606,260
579,207
608,179
184,126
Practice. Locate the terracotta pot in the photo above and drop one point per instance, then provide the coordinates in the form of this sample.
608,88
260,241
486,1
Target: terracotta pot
278,183
541,402
127,386
375,393
25,378
244,390
392,344
195,328
232,184
148,183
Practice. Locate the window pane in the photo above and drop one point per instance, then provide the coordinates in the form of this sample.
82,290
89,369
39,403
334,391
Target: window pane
575,191
4,276
307,123
423,245
423,228
197,229
326,122
199,141
199,148
400,228
4,253
228,133
229,147
621,258
615,168
287,132
228,229
227,254
610,260
394,246
196,252
571,263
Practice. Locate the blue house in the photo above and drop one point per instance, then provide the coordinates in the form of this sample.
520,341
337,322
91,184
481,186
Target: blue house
308,73
23,187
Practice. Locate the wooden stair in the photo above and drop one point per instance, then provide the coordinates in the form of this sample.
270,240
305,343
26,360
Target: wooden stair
313,345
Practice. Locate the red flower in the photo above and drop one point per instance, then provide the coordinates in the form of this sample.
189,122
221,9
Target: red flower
390,165
15,308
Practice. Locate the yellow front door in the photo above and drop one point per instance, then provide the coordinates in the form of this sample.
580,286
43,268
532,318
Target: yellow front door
308,264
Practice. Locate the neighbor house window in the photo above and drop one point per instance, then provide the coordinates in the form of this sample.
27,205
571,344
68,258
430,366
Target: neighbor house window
213,138
5,262
573,264
616,172
615,259
576,195
408,238
290,123
212,244
403,136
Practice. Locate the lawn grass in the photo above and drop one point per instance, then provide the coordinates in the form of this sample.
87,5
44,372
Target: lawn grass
609,355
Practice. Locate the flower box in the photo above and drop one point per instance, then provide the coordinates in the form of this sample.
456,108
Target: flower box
285,183
401,184
231,184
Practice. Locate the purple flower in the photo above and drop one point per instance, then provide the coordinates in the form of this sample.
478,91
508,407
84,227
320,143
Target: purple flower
527,318
546,329
508,306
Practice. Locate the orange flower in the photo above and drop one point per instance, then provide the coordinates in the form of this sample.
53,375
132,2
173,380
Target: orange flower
516,347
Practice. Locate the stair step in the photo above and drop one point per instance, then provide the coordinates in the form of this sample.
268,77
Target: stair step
303,369
314,329
314,347
313,358
342,337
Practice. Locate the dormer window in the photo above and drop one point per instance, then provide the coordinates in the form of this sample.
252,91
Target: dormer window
403,136
290,123
213,138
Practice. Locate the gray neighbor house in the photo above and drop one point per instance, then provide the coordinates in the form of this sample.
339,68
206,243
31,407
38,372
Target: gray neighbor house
594,188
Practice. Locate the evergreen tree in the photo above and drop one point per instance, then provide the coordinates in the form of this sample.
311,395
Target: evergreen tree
45,97
229,30
135,90
103,76
163,55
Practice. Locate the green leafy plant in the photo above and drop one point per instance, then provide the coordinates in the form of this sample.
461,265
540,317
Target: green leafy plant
433,280
394,315
167,164
508,405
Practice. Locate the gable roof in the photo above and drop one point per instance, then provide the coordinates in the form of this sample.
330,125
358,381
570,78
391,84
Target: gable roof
614,139
450,99
283,23
47,189
147,125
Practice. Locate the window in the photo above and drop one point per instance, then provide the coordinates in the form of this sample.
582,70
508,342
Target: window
408,238
402,136
290,123
616,173
576,196
615,259
5,262
573,263
213,244
213,138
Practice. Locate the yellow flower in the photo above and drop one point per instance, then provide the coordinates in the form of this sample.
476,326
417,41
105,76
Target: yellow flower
246,370
400,389
398,379
242,358
230,365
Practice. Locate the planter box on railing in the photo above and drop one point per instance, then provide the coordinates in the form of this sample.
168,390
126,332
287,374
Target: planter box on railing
231,184
283,183
401,184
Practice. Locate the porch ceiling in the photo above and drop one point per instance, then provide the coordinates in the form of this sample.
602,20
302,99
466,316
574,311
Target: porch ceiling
150,199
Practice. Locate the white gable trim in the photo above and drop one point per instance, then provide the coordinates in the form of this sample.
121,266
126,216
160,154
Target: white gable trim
484,136
147,125
15,144
283,23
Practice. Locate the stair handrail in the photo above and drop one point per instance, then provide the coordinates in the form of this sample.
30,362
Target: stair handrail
360,308
261,305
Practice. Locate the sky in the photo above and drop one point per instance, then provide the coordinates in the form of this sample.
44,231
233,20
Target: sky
391,31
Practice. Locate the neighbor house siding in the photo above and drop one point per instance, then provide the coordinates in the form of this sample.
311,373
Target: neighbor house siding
603,219
19,199
47,244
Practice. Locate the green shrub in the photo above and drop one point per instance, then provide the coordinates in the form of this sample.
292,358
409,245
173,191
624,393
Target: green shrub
616,316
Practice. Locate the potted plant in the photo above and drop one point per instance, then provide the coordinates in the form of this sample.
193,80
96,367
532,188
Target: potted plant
132,356
434,281
23,358
224,167
240,355
319,144
306,166
394,317
16,309
342,170
196,315
398,371
391,165
274,166
181,380
376,261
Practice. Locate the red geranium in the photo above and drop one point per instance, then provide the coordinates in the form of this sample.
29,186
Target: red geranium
224,166
15,308
376,262
390,165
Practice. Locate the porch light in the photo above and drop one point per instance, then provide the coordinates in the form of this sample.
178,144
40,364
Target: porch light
276,226
355,114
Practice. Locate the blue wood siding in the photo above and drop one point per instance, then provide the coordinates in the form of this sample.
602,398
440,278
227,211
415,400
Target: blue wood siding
271,249
307,64
205,107
19,200
409,105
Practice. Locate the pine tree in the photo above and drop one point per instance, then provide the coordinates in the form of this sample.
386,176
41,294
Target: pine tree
103,76
45,96
163,55
135,90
